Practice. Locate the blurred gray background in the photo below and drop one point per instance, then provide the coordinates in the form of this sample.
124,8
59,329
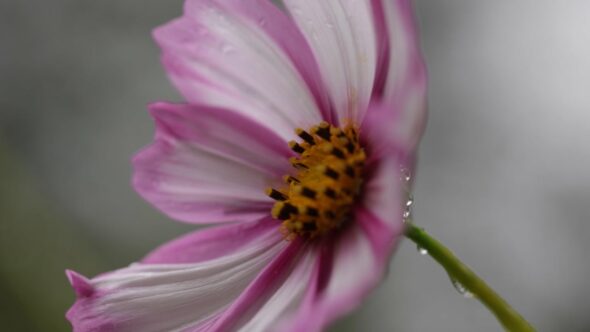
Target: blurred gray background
503,177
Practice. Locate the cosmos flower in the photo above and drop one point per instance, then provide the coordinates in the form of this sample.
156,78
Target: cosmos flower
298,123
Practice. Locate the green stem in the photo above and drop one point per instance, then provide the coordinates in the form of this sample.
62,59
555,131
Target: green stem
510,319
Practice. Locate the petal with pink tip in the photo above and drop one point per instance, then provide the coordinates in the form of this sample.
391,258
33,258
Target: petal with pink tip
343,38
396,126
247,57
209,165
405,66
400,106
182,296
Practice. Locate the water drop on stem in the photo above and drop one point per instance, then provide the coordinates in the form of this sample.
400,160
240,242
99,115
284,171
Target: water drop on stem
461,289
422,251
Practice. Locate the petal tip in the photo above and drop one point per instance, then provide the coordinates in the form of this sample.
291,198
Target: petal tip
80,284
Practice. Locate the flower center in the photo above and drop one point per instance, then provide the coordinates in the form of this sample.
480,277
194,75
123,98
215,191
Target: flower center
320,196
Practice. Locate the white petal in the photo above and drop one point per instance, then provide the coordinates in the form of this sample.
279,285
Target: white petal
175,297
343,38
218,54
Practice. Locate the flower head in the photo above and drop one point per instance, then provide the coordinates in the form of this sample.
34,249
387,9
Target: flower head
297,123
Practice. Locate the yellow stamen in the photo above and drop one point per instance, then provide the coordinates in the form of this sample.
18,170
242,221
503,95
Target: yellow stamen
318,198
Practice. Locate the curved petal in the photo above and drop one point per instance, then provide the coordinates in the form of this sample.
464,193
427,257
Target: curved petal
209,165
405,66
398,114
212,242
382,47
247,57
344,42
385,192
395,126
184,296
275,293
349,267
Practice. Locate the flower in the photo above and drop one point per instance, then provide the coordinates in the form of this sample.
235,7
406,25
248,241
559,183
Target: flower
297,123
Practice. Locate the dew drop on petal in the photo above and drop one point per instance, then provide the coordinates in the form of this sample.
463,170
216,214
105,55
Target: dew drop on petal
405,174
410,201
406,215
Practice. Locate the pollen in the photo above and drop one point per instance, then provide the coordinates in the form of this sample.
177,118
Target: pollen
328,172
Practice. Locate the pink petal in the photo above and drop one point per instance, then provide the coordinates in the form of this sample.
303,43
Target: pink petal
406,66
164,297
398,113
395,126
287,299
382,46
343,38
385,192
349,267
213,242
247,57
209,165
275,293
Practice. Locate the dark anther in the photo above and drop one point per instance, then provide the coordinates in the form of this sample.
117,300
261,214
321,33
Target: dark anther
305,136
308,192
286,211
309,226
338,153
330,214
330,193
297,164
350,147
332,173
323,132
291,179
312,212
300,165
296,147
349,171
276,195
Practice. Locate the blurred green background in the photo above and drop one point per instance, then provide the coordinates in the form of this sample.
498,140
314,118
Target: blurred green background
503,176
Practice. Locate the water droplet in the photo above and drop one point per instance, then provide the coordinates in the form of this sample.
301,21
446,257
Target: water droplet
405,174
329,25
461,289
262,21
407,214
422,251
410,200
